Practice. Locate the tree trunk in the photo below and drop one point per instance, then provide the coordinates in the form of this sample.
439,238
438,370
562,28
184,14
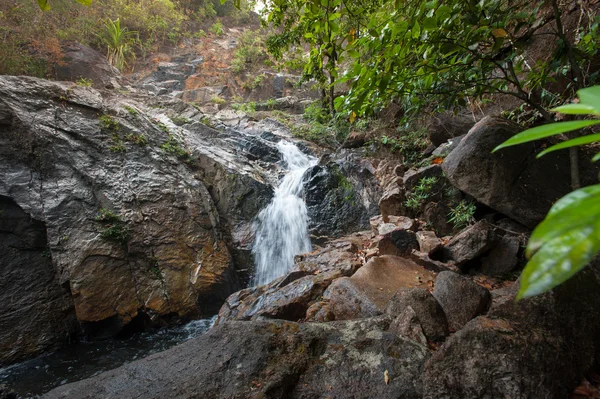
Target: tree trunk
331,95
578,81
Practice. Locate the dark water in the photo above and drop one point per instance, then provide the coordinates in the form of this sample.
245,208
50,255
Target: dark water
86,359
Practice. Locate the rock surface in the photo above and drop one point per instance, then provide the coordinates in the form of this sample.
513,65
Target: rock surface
161,249
515,182
341,196
80,61
460,298
502,258
470,243
36,312
368,291
270,359
427,310
514,350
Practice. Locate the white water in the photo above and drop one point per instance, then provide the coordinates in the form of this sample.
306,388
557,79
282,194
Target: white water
282,227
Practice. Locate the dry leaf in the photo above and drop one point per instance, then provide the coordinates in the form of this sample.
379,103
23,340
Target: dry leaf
386,377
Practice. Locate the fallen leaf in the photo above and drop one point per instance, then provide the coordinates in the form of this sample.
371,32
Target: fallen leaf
437,161
386,377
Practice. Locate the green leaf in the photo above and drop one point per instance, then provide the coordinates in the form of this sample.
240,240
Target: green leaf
575,109
44,6
596,157
85,2
591,97
591,138
429,23
416,30
543,131
563,215
564,243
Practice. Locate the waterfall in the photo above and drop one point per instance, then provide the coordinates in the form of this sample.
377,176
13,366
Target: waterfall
282,227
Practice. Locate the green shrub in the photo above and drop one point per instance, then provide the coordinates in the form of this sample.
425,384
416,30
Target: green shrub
132,111
251,51
138,139
180,120
84,82
420,193
217,28
115,229
410,143
120,43
173,147
117,232
217,100
316,113
107,122
462,214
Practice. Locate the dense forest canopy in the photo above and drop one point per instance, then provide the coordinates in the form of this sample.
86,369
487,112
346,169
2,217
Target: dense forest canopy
438,53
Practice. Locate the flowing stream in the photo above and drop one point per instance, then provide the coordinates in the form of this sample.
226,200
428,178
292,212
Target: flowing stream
282,227
80,360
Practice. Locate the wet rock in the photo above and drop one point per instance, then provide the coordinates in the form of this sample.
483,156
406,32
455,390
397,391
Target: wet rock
502,258
271,359
427,311
340,196
80,61
515,182
203,94
460,297
428,242
37,313
368,291
396,241
470,243
340,254
6,393
168,255
286,298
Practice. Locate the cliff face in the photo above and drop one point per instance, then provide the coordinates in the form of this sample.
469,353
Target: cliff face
130,230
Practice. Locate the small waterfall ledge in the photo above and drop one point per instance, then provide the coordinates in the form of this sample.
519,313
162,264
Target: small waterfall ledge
282,227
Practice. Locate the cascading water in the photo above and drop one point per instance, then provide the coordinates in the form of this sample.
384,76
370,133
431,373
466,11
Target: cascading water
282,227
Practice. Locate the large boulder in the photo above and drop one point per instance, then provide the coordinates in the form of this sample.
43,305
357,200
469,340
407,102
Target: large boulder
427,310
470,243
511,181
80,61
514,350
287,298
368,291
460,297
443,127
271,359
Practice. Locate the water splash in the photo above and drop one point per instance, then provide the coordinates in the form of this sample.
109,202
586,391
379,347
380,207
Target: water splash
282,227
